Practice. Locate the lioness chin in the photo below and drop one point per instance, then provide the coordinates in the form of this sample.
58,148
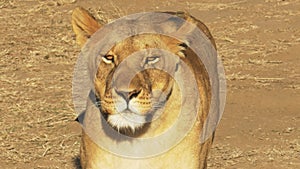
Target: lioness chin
130,107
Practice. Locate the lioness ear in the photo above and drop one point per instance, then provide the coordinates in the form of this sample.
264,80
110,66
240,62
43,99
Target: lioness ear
191,24
84,25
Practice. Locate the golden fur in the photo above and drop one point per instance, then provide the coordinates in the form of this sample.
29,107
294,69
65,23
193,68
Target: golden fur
189,153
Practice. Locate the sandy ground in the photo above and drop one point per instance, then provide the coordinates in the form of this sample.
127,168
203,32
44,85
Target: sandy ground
258,41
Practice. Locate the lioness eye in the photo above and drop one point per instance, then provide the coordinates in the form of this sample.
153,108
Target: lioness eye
108,58
152,59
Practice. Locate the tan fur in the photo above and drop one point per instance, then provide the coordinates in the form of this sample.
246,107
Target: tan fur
189,153
84,25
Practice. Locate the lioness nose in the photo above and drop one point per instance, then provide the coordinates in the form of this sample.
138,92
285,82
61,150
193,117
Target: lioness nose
128,95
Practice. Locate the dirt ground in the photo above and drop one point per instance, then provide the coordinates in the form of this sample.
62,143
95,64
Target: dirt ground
258,41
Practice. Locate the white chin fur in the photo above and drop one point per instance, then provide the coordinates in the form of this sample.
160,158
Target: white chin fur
126,120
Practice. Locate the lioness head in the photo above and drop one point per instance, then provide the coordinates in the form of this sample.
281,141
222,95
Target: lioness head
133,81
131,86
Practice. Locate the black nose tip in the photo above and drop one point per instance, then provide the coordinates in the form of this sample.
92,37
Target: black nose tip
128,95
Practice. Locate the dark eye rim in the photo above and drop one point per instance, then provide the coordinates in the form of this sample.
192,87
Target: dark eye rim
151,58
109,57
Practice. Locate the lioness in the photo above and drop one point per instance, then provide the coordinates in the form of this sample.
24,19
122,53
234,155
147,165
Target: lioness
117,101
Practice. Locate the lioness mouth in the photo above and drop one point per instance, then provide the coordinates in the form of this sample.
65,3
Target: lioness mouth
126,122
129,124
129,121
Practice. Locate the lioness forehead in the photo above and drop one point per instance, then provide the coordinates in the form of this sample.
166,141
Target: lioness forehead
143,41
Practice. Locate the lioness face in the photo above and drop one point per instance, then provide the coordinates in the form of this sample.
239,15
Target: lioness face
132,87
